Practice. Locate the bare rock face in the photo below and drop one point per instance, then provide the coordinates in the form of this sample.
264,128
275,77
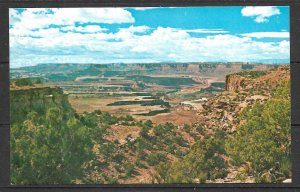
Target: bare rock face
235,82
241,90
254,79
192,68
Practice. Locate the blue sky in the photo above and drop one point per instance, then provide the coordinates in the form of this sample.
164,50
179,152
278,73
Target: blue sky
141,35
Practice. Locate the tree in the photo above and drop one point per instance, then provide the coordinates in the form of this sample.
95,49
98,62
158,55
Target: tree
51,151
144,131
129,169
148,123
263,141
23,82
204,161
187,128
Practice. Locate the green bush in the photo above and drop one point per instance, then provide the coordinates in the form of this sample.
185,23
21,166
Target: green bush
23,82
187,128
118,158
49,150
129,169
264,140
204,161
154,159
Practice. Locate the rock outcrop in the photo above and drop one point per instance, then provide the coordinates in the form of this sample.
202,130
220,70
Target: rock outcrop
75,70
221,111
39,99
235,82
251,79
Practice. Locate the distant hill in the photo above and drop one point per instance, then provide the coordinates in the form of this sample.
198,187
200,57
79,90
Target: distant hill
70,71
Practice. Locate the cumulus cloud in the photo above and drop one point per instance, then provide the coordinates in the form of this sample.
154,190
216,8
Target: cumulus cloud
85,29
136,29
90,43
139,49
267,34
260,13
162,44
205,30
37,18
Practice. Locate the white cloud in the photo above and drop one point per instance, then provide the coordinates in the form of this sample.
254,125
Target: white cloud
95,15
36,18
135,29
205,30
54,38
139,49
161,44
260,13
144,8
267,34
128,33
84,29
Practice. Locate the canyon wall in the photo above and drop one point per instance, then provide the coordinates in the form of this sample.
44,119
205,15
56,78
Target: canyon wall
23,101
235,82
245,80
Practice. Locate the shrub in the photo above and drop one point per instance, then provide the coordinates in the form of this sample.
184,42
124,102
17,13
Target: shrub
154,159
129,169
23,82
264,139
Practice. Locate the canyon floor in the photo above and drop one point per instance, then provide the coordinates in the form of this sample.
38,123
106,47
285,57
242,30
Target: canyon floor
196,100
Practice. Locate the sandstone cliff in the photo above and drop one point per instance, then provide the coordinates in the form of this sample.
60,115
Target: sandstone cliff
235,82
251,79
242,89
38,99
63,72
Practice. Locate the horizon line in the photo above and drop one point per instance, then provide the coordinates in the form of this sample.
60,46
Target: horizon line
202,62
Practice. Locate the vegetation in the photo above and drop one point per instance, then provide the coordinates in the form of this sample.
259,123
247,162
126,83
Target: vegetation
23,82
207,67
155,112
49,150
21,104
204,161
261,147
263,143
27,81
247,66
211,89
166,81
142,103
220,85
252,74
52,144
60,77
